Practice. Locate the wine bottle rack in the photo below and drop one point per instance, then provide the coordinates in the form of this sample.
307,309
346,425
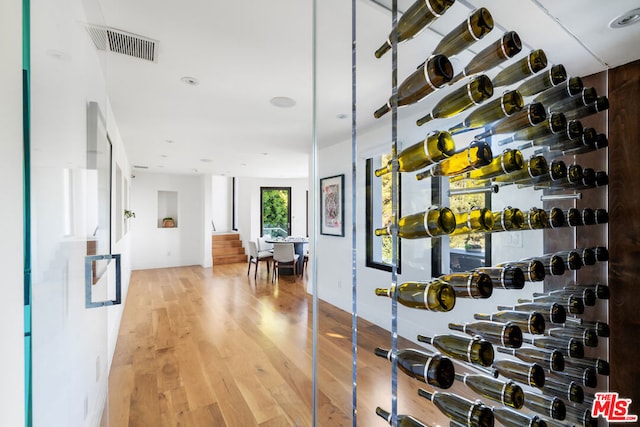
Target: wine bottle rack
562,194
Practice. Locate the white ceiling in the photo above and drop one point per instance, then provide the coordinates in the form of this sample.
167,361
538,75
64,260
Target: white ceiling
245,52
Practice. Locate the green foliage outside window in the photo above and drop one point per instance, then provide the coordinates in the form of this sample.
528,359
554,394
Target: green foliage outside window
275,212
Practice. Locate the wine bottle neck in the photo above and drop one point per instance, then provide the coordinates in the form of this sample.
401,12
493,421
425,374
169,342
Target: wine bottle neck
381,352
424,393
425,339
457,327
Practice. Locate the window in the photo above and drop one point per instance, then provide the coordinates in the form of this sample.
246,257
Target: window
275,218
379,214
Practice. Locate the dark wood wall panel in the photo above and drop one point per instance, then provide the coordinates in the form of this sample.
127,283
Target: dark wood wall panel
624,231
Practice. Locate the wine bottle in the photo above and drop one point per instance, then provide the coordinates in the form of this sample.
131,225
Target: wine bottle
573,178
469,284
553,264
586,377
530,115
556,141
436,221
472,414
476,220
531,64
602,328
508,46
601,366
588,295
572,259
557,170
602,178
581,416
533,270
548,406
430,368
535,219
435,73
504,334
602,216
435,295
478,24
534,167
556,218
585,144
511,418
467,349
531,322
589,337
436,146
552,360
509,103
555,75
403,420
504,277
507,219
573,305
569,347
554,124
601,104
506,392
552,312
584,98
476,155
573,392
573,217
565,143
601,291
415,19
507,162
570,87
530,374
475,92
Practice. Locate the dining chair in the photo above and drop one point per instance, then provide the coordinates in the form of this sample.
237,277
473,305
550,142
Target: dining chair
284,256
263,245
255,257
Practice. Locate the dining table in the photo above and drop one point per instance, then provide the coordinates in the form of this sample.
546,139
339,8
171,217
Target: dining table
298,248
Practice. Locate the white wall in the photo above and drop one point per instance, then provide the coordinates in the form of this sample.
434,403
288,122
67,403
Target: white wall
249,205
11,244
155,247
221,193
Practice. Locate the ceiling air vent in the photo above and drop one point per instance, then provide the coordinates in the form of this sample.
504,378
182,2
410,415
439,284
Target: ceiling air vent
114,40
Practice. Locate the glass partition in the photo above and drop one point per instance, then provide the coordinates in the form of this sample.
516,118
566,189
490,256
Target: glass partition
72,202
363,291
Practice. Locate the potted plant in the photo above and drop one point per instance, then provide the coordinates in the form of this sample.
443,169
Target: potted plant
168,222
129,214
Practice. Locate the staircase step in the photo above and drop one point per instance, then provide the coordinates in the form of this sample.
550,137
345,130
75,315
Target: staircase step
229,259
222,250
229,236
226,244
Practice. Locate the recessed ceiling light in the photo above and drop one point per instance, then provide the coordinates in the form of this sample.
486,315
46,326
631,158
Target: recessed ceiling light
164,156
243,164
283,102
265,154
191,81
169,141
206,160
342,116
626,19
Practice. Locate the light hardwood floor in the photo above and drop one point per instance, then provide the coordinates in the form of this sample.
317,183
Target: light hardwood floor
214,347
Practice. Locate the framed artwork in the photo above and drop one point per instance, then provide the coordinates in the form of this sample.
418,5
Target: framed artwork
332,205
